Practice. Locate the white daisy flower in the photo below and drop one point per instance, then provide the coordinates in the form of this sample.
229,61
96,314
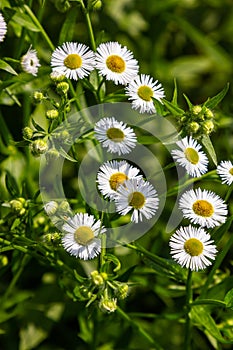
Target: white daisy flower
116,63
115,135
30,62
192,248
114,173
225,171
203,207
139,196
81,238
3,27
73,60
140,92
191,157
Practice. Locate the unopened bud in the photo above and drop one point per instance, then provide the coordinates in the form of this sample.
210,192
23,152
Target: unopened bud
38,96
38,147
62,88
52,114
51,207
57,77
209,114
27,133
196,109
208,127
194,127
97,278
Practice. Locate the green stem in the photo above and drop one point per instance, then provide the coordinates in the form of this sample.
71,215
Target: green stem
216,265
89,26
208,302
16,277
139,329
39,26
189,297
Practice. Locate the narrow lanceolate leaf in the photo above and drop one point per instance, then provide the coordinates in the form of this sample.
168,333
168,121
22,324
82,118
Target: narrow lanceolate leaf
6,67
12,185
68,27
209,148
173,109
188,102
229,299
214,101
66,155
201,317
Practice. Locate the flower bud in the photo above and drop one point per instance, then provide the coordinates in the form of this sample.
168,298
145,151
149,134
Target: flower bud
52,114
62,88
52,154
38,147
122,291
208,127
108,305
27,133
209,114
51,207
194,127
17,205
38,96
97,278
57,77
3,260
196,109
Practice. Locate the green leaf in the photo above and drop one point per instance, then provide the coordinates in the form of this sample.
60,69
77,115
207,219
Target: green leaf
11,185
67,30
229,299
190,105
172,108
214,101
209,148
220,231
37,126
174,97
6,67
25,21
158,106
147,139
66,155
200,315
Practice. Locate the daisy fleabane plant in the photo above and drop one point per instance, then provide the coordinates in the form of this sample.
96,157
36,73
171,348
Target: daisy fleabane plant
203,207
141,92
81,237
3,27
138,196
192,247
191,157
116,63
116,136
74,60
114,173
225,171
30,62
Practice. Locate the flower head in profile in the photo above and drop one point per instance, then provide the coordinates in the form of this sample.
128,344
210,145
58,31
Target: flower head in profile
192,247
225,171
3,27
112,174
116,63
190,157
116,136
73,60
30,62
141,92
138,196
81,236
203,207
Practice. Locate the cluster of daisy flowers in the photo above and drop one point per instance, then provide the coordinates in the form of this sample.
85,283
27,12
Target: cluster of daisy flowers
192,247
114,62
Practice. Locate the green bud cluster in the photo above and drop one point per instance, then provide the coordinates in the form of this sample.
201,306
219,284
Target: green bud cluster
198,121
18,206
38,147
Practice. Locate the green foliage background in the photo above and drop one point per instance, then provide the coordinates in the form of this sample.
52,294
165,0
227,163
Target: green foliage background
187,40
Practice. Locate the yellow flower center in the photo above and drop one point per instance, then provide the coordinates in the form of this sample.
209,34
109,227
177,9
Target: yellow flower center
115,134
191,155
203,208
115,63
116,180
193,247
145,93
136,200
83,235
73,61
231,171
